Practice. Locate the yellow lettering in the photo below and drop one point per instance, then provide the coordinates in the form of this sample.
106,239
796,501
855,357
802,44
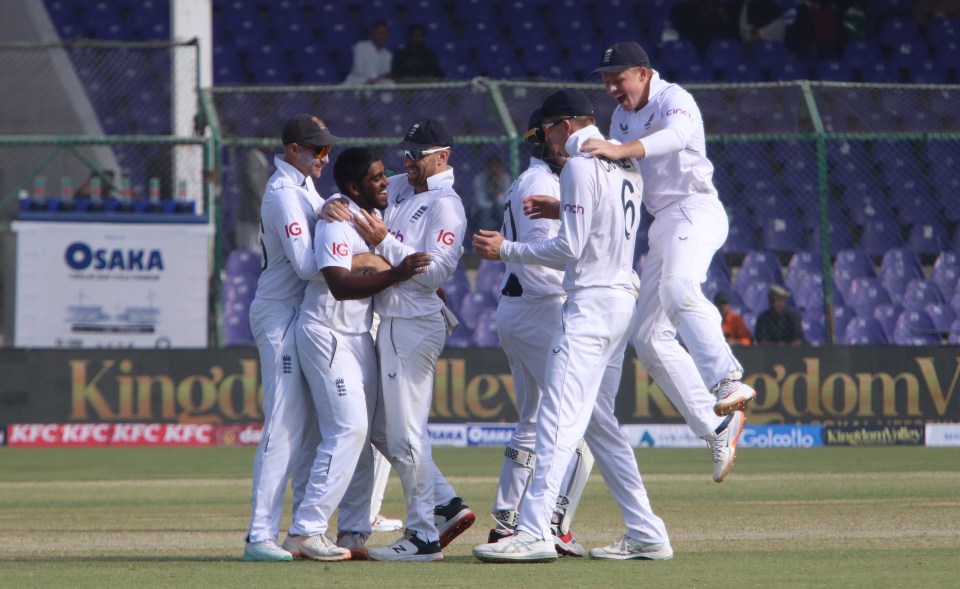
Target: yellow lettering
482,388
848,393
940,401
84,393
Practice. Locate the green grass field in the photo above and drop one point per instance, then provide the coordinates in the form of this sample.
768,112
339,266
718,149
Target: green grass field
830,517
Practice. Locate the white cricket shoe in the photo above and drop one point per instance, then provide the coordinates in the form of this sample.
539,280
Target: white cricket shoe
408,548
320,547
521,547
566,544
732,395
625,548
265,551
355,542
385,524
294,545
724,445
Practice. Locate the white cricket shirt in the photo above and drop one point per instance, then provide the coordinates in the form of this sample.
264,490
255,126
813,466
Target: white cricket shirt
676,163
599,216
334,245
288,216
538,178
432,221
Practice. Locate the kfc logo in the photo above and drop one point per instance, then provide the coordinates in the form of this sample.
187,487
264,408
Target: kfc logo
293,229
445,237
339,249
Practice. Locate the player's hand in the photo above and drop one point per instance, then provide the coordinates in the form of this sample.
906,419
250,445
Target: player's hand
541,206
442,295
598,147
412,265
486,244
335,210
370,227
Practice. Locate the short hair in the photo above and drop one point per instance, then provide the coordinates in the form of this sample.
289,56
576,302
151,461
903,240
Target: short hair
351,166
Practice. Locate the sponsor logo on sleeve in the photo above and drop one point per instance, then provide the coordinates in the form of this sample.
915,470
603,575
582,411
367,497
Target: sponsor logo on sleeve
339,249
575,209
293,229
445,237
678,111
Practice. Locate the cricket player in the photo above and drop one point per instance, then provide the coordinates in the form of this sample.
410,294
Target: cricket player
338,359
600,204
424,214
659,124
288,215
529,310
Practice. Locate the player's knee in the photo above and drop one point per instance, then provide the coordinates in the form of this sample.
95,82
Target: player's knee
678,294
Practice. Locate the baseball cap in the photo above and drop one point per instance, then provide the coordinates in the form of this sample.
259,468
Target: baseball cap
622,56
779,291
566,103
426,133
307,130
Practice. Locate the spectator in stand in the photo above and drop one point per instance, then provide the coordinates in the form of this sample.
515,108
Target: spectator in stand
734,329
371,58
702,21
490,188
779,324
416,62
816,31
764,20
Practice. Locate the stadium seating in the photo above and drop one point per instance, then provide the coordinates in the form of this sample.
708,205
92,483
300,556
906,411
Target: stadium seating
915,328
864,294
920,293
862,331
887,314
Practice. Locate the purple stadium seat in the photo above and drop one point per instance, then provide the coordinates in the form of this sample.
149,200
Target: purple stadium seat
243,262
455,289
473,305
954,336
865,294
488,277
485,333
928,238
880,235
813,328
783,234
459,338
758,265
802,264
864,331
945,272
887,314
850,264
741,238
808,293
915,328
943,316
755,296
920,293
898,267
841,318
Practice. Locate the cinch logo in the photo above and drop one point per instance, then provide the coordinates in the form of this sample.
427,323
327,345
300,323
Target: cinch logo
397,235
678,111
80,256
445,237
339,249
293,229
575,209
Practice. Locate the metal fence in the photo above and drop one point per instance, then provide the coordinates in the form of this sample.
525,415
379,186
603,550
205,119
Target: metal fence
850,189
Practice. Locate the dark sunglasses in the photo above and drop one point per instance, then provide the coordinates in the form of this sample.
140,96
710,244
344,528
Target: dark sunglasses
419,155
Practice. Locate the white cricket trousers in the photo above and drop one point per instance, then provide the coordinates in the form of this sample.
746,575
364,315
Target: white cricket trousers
576,404
683,240
341,370
290,432
409,349
526,328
